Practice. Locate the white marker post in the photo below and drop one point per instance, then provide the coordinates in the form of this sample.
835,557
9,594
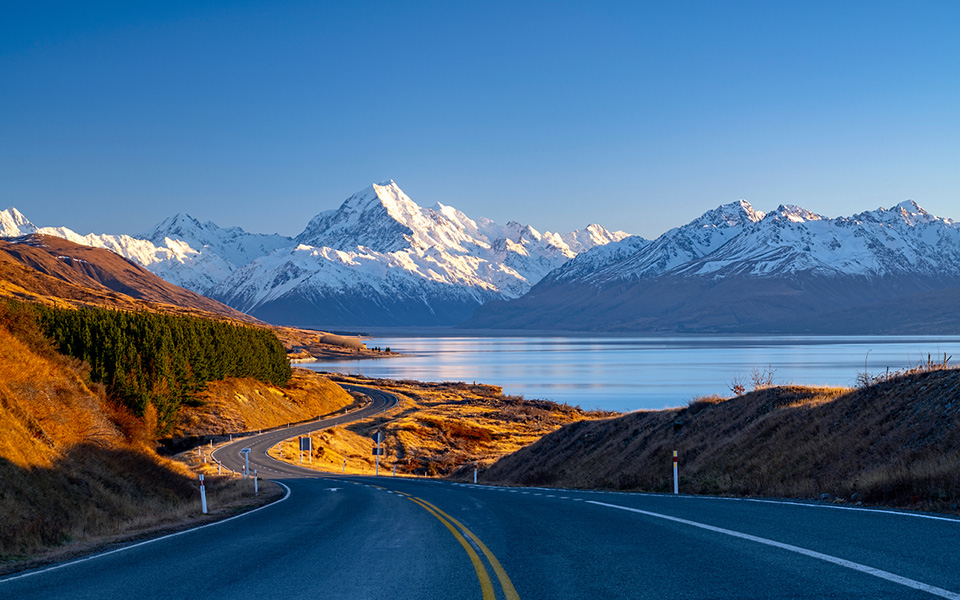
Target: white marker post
676,482
474,474
343,469
256,485
394,470
378,452
203,496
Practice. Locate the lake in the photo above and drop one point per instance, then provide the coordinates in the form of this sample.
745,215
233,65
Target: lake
630,373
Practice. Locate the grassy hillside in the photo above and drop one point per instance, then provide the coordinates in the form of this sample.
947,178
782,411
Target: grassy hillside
75,467
234,405
894,442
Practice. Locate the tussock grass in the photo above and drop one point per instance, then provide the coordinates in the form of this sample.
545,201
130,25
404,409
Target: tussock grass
78,470
895,442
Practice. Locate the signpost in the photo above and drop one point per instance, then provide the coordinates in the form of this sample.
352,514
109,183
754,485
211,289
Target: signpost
306,445
377,436
246,462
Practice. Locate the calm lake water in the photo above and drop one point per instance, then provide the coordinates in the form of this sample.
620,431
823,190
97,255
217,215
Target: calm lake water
623,373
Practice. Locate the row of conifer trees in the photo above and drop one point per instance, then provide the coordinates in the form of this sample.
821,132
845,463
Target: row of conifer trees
149,359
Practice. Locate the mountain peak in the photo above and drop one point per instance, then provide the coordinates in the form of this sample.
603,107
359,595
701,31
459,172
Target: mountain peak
912,213
794,214
13,223
734,214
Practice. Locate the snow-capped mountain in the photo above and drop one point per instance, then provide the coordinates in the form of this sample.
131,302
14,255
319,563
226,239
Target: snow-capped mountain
180,249
737,269
904,240
14,224
234,245
382,259
378,259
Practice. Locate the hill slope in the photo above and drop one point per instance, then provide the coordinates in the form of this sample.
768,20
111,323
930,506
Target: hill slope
895,442
43,267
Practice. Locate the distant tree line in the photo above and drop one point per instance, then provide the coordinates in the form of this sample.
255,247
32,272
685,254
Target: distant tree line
148,359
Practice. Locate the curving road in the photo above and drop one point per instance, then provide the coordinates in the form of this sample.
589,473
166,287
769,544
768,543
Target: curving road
383,537
269,468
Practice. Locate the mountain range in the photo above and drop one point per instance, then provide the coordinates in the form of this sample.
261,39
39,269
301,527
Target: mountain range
379,259
738,270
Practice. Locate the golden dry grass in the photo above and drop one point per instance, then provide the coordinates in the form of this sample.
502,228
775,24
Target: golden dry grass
897,442
76,469
236,405
436,429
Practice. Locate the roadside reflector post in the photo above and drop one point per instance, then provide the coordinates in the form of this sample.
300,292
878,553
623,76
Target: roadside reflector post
474,473
256,485
676,481
394,470
344,468
203,496
219,468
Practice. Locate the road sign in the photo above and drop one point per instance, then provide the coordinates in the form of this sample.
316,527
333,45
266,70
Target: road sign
306,444
377,436
245,451
379,452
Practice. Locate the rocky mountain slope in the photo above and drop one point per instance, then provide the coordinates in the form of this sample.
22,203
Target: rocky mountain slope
738,270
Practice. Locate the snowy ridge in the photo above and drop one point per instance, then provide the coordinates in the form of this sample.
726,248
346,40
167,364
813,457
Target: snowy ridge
200,266
903,240
381,243
736,240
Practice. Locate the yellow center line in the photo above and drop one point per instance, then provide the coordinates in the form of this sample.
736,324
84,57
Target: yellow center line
508,590
486,585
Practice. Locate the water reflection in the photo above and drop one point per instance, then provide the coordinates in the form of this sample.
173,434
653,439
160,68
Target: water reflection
619,373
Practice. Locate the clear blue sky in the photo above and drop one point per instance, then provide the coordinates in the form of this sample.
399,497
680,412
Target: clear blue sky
636,115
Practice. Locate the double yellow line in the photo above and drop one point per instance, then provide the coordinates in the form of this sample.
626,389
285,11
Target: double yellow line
456,527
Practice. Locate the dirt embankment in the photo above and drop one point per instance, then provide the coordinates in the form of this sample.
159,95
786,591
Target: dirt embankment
437,429
896,442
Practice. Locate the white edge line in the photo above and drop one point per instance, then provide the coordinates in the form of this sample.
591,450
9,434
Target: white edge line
892,577
145,542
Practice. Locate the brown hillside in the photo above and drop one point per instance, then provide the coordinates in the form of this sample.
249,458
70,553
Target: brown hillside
894,442
235,405
39,267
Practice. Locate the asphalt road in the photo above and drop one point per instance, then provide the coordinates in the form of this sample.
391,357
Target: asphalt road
385,537
231,457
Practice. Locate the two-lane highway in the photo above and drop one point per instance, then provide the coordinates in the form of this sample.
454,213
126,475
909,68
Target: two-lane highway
385,537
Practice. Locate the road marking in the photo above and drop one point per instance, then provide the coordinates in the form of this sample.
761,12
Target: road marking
892,577
145,542
508,590
486,585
